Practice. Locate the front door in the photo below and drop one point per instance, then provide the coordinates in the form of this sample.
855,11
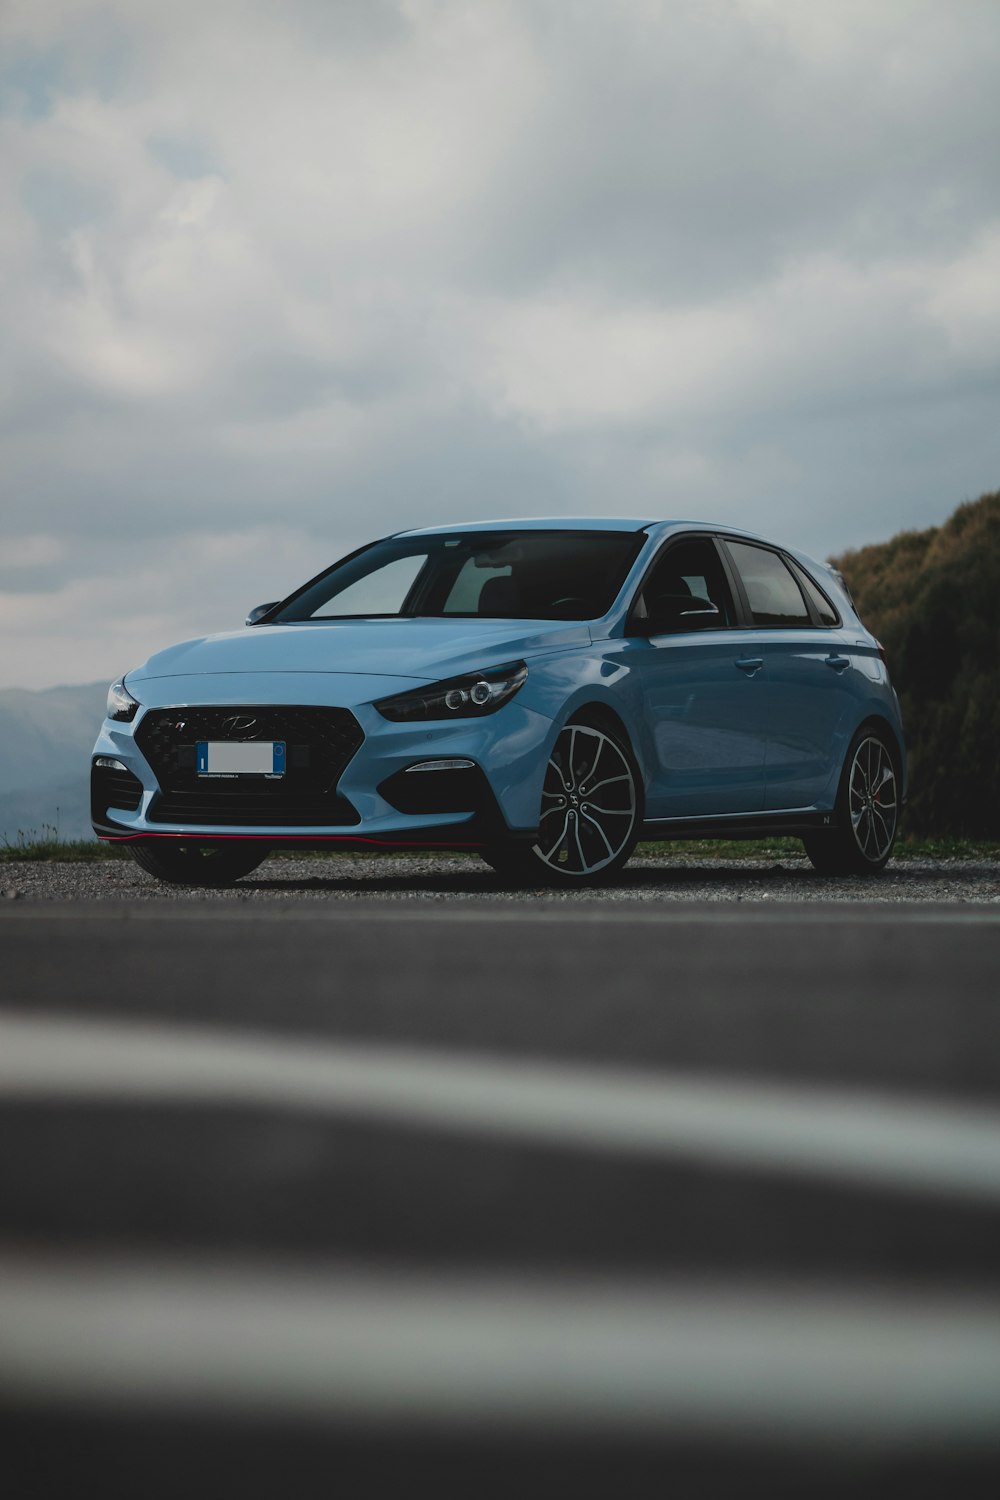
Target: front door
700,691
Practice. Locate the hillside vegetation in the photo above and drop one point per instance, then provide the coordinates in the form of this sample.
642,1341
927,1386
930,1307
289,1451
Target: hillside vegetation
933,599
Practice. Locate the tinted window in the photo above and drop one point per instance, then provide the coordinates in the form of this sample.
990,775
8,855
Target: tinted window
687,576
775,598
467,590
820,603
521,575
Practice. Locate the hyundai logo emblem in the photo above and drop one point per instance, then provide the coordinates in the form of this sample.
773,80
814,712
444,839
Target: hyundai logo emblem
240,726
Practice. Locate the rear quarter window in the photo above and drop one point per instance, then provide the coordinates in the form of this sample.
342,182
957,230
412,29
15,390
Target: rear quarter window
820,603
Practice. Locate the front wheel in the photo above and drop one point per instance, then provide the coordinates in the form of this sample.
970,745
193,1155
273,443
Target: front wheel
590,815
180,863
867,811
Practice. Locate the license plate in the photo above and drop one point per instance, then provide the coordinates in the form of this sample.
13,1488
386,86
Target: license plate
238,758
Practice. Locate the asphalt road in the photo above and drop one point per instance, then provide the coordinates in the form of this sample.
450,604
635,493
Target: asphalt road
574,1198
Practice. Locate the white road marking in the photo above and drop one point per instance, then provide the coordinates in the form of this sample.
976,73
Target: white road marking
883,1141
788,1366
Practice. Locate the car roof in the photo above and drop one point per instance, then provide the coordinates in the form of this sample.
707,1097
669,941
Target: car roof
656,527
538,523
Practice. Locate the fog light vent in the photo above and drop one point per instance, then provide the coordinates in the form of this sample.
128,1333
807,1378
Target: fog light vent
112,784
452,786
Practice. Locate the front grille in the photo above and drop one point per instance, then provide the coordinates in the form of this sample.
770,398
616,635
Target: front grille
112,786
319,743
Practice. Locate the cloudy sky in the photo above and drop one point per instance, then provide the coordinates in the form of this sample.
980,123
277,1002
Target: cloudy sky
279,278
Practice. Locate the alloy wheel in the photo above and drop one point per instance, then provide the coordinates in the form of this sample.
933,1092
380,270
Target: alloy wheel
872,799
589,803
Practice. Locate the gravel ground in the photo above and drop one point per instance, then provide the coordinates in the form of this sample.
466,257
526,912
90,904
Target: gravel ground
433,878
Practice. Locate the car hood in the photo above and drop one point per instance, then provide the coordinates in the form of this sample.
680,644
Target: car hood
424,650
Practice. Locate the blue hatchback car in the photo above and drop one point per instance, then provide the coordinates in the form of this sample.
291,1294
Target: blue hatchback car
543,692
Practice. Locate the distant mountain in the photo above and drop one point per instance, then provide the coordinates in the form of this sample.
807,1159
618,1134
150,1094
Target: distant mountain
45,744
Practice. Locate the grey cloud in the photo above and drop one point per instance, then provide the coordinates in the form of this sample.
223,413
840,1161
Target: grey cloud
166,482
93,52
60,202
185,156
345,25
693,155
30,81
827,476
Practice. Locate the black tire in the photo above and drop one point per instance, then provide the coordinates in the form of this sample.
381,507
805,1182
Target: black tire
180,863
867,812
580,843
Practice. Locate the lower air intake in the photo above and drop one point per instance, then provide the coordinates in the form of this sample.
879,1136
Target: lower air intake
112,786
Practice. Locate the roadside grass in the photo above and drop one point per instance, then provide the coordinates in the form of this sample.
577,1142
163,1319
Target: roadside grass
906,848
34,846
913,848
37,847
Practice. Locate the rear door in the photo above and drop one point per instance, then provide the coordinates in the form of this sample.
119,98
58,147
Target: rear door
808,679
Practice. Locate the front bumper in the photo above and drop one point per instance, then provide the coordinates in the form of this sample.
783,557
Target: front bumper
374,804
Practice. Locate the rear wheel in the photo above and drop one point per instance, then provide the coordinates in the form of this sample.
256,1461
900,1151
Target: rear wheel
180,863
590,814
867,811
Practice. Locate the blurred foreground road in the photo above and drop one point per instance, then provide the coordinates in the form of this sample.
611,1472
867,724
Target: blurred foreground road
490,1199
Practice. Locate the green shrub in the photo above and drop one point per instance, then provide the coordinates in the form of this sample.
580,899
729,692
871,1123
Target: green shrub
933,599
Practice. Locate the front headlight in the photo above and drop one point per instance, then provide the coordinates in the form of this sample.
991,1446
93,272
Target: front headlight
470,696
121,704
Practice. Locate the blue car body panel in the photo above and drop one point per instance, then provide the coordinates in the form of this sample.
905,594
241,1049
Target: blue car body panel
418,650
714,736
700,724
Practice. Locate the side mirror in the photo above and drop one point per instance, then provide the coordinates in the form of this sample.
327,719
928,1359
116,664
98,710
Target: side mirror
260,611
669,613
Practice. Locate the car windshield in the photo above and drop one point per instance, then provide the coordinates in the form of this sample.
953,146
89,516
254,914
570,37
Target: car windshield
512,575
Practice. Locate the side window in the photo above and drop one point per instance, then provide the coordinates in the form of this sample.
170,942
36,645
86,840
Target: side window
820,603
687,590
775,598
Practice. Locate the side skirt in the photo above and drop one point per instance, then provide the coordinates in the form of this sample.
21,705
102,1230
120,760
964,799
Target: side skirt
739,826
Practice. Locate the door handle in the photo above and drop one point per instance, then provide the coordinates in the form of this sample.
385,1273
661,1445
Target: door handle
838,663
749,664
